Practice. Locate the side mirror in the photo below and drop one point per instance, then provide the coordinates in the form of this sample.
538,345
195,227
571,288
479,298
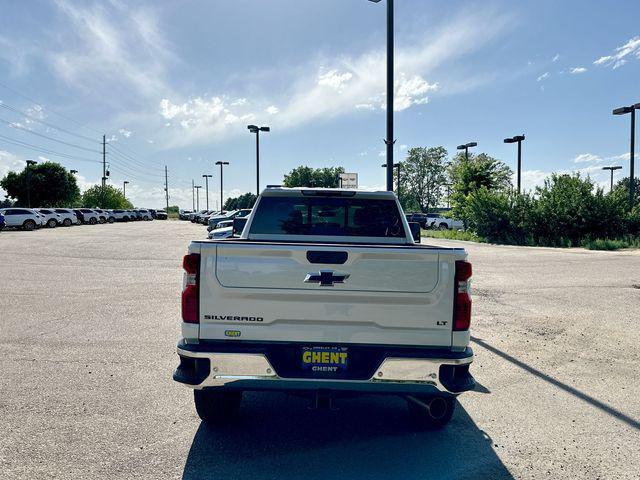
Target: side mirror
415,231
238,225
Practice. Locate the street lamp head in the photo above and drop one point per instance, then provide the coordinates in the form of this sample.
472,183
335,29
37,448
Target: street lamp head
253,128
616,167
265,129
636,106
517,138
207,176
73,171
375,1
384,165
126,182
623,110
222,163
31,162
197,186
461,147
472,144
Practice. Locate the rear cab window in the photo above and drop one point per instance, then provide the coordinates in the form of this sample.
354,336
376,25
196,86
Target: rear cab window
348,218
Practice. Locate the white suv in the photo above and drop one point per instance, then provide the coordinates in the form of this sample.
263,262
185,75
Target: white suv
51,218
24,218
67,216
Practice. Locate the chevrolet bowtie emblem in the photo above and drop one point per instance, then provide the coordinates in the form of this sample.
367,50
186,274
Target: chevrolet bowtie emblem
326,278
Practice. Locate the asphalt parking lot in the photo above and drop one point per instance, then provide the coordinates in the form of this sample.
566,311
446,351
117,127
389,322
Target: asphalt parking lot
89,318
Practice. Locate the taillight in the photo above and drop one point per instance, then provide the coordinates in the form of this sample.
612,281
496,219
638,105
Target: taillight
462,299
190,291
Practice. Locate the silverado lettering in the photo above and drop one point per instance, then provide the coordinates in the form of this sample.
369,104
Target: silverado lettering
233,318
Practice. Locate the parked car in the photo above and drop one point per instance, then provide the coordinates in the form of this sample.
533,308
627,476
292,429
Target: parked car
214,220
121,215
68,216
153,213
24,218
2,223
87,216
193,217
203,218
105,215
420,218
222,230
145,214
50,218
161,215
437,221
184,214
337,298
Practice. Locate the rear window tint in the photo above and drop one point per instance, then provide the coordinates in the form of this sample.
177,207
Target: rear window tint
331,216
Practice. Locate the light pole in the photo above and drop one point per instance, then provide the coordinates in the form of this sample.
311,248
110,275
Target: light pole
222,164
397,167
389,141
206,182
124,189
29,163
617,167
622,111
255,129
197,187
466,148
517,139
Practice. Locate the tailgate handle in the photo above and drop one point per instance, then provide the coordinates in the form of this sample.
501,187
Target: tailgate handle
333,258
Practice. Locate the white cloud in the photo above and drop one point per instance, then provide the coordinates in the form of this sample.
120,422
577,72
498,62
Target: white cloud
403,147
556,58
577,70
621,55
272,110
382,153
544,76
125,133
334,79
587,158
95,48
326,88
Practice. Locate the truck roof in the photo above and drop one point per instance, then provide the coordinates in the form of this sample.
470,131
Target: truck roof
338,192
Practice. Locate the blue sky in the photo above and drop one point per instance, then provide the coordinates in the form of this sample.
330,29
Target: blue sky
175,83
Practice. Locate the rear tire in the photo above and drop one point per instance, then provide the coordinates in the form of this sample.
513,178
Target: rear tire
93,221
431,413
444,226
217,408
29,225
52,223
67,222
111,220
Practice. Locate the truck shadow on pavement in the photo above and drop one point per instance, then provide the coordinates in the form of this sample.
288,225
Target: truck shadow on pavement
370,437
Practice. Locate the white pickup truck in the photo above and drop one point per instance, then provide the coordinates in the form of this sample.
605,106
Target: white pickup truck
325,294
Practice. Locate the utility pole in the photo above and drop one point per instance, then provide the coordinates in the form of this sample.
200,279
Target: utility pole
222,164
517,139
166,187
193,194
29,163
104,168
255,129
198,187
206,182
617,167
632,110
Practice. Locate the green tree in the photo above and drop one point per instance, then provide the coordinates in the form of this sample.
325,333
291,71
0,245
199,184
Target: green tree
468,176
304,176
621,189
422,176
246,200
109,197
569,209
51,185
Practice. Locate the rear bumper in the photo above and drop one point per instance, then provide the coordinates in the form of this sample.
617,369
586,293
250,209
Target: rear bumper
428,371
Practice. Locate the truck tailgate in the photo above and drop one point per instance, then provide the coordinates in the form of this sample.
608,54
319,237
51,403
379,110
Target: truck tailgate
389,295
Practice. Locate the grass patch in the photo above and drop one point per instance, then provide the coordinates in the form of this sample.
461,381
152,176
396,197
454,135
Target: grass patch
611,244
452,235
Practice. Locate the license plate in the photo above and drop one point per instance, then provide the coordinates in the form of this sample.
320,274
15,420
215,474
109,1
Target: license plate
325,359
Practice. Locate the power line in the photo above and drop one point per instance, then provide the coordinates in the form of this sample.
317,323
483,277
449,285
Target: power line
44,150
24,129
50,125
48,108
